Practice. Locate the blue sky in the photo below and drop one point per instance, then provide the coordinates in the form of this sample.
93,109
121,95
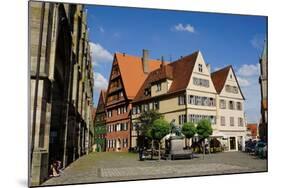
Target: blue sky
223,39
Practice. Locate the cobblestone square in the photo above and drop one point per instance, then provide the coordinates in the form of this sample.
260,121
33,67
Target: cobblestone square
104,167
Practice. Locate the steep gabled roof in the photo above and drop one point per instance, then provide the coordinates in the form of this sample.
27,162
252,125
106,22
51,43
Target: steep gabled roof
131,70
94,112
182,71
219,77
179,71
103,94
101,101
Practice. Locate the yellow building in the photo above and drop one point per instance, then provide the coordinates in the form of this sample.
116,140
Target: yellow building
184,90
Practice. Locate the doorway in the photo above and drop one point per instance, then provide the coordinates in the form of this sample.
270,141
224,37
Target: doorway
232,143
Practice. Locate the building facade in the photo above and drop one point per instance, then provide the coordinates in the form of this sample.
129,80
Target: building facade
264,88
183,91
127,75
100,124
61,86
230,109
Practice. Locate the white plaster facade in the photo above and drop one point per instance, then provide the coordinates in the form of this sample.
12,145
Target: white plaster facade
169,106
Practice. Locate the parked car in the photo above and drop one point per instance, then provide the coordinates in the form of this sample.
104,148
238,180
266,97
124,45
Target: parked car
259,148
250,146
264,152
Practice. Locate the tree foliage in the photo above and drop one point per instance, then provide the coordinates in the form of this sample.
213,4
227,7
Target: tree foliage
159,129
188,129
204,128
146,119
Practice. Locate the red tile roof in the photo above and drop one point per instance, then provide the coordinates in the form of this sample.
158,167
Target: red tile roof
219,78
253,128
132,74
179,71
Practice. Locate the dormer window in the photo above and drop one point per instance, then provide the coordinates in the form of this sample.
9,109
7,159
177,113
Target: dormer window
158,87
200,67
147,92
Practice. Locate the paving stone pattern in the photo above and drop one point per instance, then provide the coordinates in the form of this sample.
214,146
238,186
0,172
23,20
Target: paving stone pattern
104,167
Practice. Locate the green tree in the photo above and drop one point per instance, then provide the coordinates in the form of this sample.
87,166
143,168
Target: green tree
204,130
160,128
189,130
146,120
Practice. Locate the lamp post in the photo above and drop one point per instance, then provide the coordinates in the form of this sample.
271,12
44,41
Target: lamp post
140,149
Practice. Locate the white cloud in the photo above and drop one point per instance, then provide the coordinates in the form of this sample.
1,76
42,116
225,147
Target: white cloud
99,54
247,70
100,82
248,78
187,28
243,82
257,42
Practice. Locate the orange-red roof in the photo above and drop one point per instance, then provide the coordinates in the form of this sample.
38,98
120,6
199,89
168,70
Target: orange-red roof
179,71
132,74
253,128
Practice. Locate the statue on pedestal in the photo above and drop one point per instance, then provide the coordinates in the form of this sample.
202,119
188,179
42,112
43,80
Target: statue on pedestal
176,129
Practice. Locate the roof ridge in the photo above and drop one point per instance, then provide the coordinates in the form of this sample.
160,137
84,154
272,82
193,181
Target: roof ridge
222,69
140,57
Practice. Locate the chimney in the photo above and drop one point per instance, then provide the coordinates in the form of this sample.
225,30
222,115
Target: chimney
209,67
145,61
162,61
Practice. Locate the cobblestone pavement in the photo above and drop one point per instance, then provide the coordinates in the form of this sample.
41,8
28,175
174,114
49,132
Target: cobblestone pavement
103,167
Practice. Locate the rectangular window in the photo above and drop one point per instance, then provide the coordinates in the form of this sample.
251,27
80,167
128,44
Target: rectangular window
109,113
240,122
118,127
146,107
182,119
231,89
156,105
126,126
212,102
125,142
138,109
191,99
231,121
200,82
134,110
222,121
239,106
181,100
158,87
222,104
200,67
235,89
231,105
